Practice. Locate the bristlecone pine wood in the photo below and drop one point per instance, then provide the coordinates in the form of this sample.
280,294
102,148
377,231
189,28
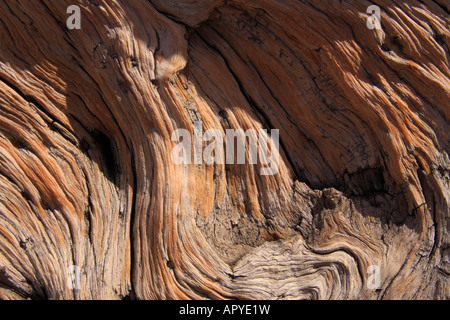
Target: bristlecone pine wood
87,179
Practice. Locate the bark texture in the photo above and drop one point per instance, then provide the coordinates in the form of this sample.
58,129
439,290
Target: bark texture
86,176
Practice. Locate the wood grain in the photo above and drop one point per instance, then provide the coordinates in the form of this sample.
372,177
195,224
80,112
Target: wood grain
87,179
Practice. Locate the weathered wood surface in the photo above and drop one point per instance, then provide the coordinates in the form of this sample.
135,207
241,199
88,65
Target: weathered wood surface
86,177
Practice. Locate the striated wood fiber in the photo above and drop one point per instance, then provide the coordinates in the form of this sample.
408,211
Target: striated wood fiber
86,176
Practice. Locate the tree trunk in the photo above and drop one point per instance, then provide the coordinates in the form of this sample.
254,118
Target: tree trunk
358,207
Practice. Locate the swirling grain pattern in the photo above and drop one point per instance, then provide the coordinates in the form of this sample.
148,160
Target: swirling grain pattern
87,179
